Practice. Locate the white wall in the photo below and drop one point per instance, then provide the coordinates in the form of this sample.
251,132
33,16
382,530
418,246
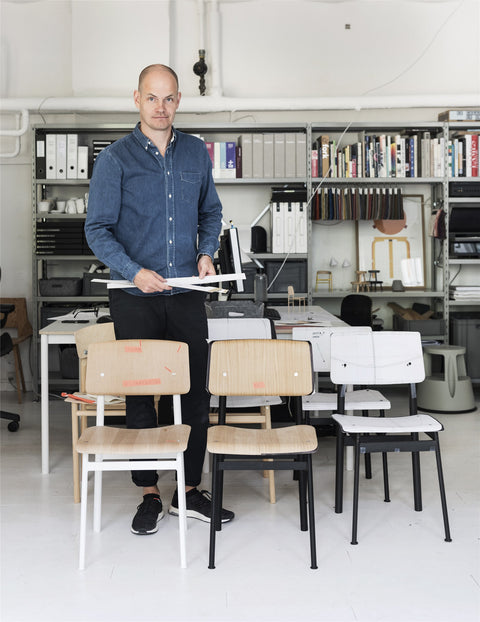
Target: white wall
269,48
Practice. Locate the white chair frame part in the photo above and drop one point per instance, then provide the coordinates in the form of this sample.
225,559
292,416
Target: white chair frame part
134,367
382,358
362,399
220,329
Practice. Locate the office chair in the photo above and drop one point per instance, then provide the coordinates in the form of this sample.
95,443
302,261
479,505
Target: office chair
6,346
18,319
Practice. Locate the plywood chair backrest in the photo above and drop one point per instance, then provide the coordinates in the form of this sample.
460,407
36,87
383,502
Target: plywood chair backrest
138,367
320,340
260,367
239,328
18,318
390,357
84,337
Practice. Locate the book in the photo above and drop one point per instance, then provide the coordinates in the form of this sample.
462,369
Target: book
323,156
314,159
474,151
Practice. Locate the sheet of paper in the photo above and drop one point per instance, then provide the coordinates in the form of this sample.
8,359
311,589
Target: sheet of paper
189,282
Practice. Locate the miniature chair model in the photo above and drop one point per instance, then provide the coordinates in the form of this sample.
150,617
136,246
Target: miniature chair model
324,276
363,399
373,281
262,367
6,346
135,367
80,411
378,359
291,298
18,319
245,328
361,284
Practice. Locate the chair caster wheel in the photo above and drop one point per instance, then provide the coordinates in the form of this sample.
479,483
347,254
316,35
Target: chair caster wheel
13,426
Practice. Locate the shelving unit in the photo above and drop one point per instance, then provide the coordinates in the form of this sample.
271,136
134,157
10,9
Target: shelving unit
244,199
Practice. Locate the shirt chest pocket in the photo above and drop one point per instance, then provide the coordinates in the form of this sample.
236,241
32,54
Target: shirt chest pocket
190,185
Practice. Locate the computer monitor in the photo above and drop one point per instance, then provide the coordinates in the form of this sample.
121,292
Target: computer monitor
229,256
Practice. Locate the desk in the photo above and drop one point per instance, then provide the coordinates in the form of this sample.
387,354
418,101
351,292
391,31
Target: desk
312,315
55,333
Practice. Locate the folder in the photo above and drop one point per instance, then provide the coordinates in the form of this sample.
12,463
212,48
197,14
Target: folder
245,142
82,162
301,227
40,160
257,156
278,245
72,156
279,148
301,155
290,155
61,156
289,234
268,158
51,156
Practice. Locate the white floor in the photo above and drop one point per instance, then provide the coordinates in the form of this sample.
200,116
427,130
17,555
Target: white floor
401,570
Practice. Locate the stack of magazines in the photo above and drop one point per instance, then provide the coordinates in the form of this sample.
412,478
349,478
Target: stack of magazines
465,293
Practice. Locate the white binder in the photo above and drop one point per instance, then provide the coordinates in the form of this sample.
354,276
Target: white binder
51,156
72,156
61,156
278,244
290,218
301,228
82,163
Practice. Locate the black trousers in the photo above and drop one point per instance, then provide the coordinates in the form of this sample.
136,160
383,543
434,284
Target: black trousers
180,317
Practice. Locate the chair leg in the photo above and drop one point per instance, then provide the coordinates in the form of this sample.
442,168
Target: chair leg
339,470
75,456
386,486
356,482
265,410
302,497
83,513
215,483
182,510
368,457
18,373
97,498
417,483
441,484
311,514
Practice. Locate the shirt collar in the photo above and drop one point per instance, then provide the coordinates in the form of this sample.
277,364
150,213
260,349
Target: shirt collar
144,140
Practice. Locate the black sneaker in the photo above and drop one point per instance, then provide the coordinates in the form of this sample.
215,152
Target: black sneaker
149,513
199,505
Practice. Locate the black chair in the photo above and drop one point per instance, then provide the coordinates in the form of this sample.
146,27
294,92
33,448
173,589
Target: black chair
6,346
356,310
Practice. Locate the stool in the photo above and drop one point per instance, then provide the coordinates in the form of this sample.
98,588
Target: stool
374,282
361,284
450,391
324,276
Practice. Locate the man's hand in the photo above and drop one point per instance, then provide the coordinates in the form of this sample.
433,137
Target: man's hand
205,266
149,281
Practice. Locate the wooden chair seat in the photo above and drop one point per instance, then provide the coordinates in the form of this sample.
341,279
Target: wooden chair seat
296,439
146,442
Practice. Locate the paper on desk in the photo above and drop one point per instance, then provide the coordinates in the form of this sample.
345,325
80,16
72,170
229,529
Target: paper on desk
80,315
189,282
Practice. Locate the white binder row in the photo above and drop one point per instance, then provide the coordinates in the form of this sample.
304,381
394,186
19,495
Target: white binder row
64,157
289,227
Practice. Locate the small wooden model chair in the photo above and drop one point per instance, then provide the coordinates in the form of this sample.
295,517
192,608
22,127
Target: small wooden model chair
245,328
18,319
135,367
291,298
262,367
381,358
324,276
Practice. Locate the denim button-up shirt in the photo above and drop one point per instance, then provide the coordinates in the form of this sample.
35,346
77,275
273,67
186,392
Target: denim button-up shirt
150,211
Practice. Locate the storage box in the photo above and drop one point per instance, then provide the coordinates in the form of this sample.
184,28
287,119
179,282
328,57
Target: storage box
424,327
94,289
465,331
60,286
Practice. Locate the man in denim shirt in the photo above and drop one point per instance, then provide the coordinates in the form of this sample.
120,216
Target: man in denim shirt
154,213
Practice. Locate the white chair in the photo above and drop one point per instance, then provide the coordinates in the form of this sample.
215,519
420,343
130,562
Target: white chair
382,358
220,329
134,367
361,399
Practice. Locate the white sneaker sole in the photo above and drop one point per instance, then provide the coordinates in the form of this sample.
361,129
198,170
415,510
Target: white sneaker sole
192,514
154,530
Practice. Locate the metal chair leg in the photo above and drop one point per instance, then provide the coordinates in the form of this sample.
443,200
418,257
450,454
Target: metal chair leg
213,520
356,482
441,484
339,471
311,514
417,483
